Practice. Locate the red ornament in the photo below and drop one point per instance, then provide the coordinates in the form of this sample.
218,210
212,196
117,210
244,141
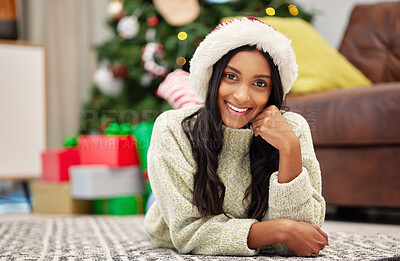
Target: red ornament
120,15
120,71
152,20
197,42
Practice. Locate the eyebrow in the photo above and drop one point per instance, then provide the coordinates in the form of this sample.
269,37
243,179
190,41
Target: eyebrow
257,76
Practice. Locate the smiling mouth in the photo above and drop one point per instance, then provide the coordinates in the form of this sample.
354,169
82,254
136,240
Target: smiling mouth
236,109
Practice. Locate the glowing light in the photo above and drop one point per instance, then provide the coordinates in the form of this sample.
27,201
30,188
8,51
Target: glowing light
293,10
270,11
182,36
120,37
180,60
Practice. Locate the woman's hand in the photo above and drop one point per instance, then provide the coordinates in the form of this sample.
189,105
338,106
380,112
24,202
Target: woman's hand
273,128
301,238
304,239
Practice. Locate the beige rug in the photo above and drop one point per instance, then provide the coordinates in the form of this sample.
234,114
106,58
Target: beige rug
30,237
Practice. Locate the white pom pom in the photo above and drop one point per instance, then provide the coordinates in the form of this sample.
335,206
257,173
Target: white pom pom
106,82
114,8
128,27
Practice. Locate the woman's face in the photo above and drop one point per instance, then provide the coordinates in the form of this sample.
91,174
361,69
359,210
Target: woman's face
244,89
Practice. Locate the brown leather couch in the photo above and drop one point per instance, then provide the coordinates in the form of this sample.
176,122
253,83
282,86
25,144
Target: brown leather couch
356,132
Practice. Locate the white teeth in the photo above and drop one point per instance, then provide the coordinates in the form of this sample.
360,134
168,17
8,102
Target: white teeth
236,109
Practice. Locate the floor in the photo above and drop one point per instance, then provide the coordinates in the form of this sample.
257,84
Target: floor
358,221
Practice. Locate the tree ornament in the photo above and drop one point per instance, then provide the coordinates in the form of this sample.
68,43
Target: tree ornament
120,71
178,12
106,82
151,35
150,52
152,20
114,8
128,27
121,15
146,79
219,1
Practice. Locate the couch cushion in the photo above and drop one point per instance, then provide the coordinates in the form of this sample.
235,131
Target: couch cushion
360,176
368,116
372,41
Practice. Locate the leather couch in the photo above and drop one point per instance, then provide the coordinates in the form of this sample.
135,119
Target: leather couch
356,132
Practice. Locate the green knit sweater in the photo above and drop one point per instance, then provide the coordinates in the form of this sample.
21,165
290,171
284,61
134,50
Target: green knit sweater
174,222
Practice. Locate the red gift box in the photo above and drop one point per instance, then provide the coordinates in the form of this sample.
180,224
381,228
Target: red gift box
55,163
111,150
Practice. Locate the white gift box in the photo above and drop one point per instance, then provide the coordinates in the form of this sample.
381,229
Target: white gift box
102,181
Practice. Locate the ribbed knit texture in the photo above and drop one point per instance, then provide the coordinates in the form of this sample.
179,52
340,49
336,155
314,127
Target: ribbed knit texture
173,221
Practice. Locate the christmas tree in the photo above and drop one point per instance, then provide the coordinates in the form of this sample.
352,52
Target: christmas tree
151,39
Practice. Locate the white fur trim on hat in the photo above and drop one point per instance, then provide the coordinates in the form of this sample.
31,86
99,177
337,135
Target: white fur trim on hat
233,34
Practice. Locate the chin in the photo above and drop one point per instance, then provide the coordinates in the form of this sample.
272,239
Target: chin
234,125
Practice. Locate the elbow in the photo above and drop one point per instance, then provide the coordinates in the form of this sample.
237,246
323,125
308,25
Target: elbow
319,213
182,241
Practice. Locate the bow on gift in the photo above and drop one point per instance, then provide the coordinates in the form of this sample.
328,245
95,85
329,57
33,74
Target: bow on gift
71,142
118,129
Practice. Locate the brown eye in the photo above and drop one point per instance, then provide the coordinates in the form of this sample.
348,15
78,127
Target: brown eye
260,84
230,76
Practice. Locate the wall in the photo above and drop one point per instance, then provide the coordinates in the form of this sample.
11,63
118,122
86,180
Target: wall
332,16
69,30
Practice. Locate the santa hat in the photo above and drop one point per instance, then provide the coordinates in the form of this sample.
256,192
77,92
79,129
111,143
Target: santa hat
236,33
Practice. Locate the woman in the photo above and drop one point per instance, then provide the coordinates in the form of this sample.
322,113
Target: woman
237,175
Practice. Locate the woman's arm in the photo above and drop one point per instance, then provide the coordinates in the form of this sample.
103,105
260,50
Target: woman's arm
173,217
295,189
301,238
290,165
294,193
273,128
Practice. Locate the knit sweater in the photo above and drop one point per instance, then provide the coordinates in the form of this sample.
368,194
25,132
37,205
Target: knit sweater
174,222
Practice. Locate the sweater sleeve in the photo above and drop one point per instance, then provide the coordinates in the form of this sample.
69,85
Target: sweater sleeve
171,168
301,198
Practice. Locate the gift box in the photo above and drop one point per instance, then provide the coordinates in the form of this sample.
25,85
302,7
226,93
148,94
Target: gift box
124,205
102,181
142,132
55,198
55,163
112,150
147,182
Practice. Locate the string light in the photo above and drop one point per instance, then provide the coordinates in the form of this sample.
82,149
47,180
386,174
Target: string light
180,60
182,36
120,37
293,10
270,11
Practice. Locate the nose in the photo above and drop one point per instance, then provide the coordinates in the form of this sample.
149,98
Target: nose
241,94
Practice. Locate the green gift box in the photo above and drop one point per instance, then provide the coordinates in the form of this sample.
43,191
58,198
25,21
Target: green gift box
120,206
142,132
148,187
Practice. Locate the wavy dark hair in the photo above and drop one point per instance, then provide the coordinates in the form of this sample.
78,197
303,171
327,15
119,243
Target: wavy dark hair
206,138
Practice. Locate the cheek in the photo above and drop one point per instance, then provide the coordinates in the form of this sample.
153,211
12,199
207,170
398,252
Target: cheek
261,100
222,93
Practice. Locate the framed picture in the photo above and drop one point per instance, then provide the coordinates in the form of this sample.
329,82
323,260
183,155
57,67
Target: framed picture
23,120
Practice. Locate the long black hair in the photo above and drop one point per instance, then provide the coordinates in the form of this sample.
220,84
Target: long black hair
206,138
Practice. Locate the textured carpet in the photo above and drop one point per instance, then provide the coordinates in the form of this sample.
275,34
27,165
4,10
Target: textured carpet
124,238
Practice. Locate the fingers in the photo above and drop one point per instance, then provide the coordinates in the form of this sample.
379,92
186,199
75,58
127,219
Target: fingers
267,112
323,234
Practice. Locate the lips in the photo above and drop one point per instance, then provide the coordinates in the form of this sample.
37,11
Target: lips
239,111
